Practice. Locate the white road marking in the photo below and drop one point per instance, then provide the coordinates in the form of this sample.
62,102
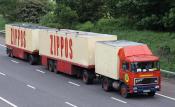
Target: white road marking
71,104
171,98
73,83
118,100
40,71
2,74
14,61
8,102
2,31
3,46
166,71
31,87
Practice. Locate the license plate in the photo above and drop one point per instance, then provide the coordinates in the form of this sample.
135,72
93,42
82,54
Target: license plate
146,91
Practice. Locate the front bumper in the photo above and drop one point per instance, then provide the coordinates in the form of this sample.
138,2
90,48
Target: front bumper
145,88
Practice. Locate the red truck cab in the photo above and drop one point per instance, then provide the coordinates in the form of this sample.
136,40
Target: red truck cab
139,71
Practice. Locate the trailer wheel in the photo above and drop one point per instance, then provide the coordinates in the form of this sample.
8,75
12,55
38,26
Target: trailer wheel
31,60
87,78
55,67
151,94
51,66
124,91
8,52
106,84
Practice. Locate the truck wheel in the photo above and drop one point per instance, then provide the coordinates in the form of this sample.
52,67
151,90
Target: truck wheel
31,60
124,91
87,79
151,94
51,66
106,84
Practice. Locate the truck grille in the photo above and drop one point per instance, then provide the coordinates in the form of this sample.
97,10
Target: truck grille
145,81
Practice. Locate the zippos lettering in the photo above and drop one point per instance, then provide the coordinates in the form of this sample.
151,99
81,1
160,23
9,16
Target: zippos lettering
18,38
61,46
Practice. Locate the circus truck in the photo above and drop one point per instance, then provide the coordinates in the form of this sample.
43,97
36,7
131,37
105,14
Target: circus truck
127,66
22,41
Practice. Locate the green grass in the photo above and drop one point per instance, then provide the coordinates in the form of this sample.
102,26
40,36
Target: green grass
2,23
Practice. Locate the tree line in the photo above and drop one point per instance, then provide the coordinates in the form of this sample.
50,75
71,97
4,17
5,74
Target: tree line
158,15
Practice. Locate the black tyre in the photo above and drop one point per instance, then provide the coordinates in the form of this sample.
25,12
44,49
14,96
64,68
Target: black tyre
51,66
31,60
55,67
107,84
151,94
124,91
8,52
87,78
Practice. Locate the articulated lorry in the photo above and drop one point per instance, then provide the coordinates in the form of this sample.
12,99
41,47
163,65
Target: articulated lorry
127,66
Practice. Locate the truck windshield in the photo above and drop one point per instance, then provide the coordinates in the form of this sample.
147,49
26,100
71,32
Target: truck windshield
144,66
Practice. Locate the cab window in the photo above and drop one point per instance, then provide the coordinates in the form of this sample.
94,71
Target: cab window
125,66
145,66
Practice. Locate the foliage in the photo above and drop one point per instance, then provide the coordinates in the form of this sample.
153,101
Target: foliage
87,26
145,14
109,25
31,10
49,20
2,22
87,10
169,19
24,10
8,9
66,16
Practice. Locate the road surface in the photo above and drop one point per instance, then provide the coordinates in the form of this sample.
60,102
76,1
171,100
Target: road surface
23,85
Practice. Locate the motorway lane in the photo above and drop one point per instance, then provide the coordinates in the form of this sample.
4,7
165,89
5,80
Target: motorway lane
56,85
53,90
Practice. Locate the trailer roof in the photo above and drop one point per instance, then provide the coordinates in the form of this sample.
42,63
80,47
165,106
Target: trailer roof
121,43
78,33
63,31
29,26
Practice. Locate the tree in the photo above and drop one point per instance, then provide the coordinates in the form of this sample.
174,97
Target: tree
66,16
24,10
87,10
8,9
146,14
32,10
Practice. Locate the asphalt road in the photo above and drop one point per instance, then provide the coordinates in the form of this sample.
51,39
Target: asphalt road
23,85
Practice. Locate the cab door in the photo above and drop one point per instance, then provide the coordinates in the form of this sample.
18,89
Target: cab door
124,72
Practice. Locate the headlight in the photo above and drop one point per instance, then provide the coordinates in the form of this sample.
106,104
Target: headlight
135,88
157,86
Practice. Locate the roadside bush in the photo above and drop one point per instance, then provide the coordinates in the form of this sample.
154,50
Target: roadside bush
169,20
49,20
66,16
87,26
2,22
152,22
112,25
